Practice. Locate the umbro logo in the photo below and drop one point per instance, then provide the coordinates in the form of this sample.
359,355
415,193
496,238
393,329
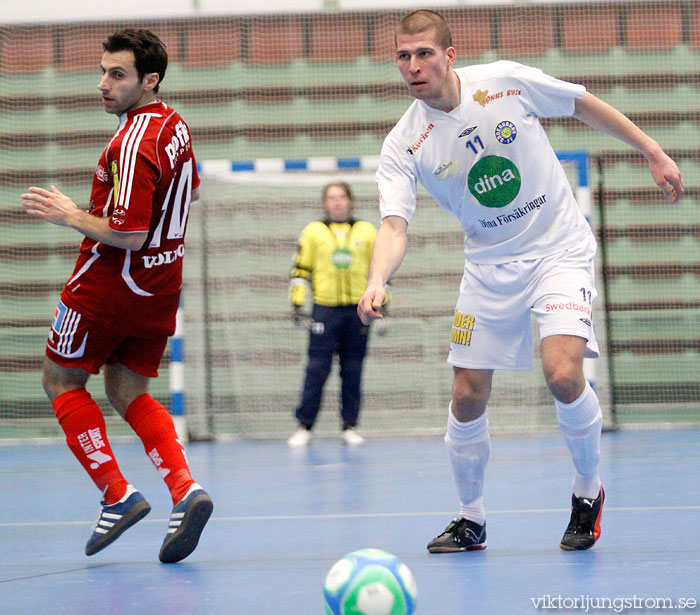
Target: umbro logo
467,131
585,321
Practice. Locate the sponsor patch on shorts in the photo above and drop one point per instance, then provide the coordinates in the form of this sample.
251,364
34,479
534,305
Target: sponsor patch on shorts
462,329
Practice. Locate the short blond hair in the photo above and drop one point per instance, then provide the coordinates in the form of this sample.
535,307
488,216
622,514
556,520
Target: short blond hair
422,21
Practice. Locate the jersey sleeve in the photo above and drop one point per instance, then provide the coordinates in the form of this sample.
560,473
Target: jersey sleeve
136,175
371,236
300,275
396,182
548,96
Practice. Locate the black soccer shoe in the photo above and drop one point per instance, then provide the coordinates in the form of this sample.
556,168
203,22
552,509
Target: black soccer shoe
584,527
460,535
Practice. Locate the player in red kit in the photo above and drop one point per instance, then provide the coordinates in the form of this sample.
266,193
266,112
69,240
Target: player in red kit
118,307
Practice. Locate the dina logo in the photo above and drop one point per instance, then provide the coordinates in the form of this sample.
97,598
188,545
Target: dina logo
494,181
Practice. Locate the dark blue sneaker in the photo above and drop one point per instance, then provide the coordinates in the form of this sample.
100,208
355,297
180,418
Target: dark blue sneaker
187,521
584,526
460,535
115,519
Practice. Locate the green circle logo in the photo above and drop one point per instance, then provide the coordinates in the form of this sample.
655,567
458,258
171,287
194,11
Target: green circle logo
342,258
494,181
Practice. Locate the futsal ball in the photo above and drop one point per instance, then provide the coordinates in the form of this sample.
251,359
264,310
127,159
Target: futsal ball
369,582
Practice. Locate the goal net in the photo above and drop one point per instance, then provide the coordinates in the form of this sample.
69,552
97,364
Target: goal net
321,81
246,360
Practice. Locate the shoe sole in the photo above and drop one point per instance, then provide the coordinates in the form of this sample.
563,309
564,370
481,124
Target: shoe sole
565,547
178,545
480,547
295,446
133,515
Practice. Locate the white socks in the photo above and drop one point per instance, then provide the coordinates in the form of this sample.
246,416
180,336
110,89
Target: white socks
469,447
581,422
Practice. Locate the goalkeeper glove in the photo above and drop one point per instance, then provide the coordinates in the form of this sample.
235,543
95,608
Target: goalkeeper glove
301,320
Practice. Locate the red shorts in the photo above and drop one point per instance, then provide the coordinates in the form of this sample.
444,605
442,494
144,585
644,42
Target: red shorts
76,340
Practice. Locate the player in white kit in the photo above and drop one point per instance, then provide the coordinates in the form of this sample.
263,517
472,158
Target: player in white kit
473,139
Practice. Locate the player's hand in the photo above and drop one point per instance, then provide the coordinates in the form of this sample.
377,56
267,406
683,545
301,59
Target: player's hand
370,306
301,320
51,205
667,176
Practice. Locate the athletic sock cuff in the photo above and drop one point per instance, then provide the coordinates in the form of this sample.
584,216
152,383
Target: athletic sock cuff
70,401
580,413
469,432
139,409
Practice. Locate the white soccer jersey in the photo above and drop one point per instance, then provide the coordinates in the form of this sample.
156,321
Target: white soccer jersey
490,163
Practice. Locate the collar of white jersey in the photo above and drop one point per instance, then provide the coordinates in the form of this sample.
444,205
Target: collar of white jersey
454,112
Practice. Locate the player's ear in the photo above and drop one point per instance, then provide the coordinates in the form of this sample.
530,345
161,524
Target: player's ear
150,80
451,55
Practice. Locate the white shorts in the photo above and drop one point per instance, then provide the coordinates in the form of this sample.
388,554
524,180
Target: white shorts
492,326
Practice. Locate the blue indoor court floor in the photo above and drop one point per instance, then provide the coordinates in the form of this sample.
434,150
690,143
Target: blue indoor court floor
283,517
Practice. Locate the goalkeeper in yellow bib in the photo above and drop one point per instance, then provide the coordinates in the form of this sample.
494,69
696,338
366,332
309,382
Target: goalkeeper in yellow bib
473,139
333,258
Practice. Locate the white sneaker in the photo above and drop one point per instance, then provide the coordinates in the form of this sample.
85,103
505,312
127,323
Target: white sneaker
300,438
351,437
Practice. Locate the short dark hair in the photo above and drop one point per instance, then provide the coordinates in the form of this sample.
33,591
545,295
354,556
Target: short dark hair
423,20
343,185
150,55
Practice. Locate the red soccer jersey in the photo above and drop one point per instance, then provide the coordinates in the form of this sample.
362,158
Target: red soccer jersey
143,182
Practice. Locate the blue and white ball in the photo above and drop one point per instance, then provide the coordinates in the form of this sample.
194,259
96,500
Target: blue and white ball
369,582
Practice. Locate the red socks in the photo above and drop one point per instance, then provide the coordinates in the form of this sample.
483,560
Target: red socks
155,427
84,425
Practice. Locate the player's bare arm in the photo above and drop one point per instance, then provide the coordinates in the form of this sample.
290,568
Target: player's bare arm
601,116
58,208
387,255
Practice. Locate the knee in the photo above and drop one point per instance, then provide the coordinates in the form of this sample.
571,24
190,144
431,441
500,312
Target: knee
351,368
57,380
120,396
469,397
52,385
565,382
562,364
319,364
116,398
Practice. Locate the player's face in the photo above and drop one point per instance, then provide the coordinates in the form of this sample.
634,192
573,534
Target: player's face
337,204
424,65
121,88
